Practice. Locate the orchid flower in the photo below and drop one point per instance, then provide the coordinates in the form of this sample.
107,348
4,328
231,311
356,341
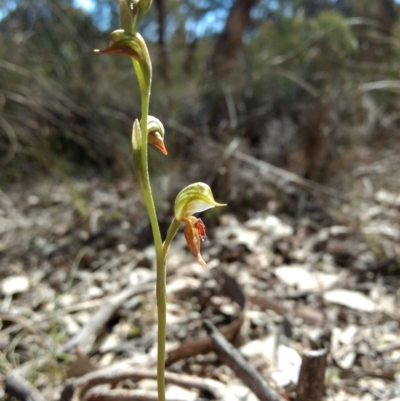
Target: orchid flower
195,198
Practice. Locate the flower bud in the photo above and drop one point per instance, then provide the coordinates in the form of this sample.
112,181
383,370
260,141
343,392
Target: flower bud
142,7
133,45
195,198
126,15
136,136
136,144
122,42
132,12
156,133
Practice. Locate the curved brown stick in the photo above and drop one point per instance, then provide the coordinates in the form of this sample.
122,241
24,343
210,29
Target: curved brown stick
247,373
76,388
16,386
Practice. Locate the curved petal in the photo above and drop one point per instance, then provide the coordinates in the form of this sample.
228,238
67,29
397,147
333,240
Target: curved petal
195,198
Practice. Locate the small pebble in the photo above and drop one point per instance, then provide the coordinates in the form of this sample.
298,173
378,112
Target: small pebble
14,285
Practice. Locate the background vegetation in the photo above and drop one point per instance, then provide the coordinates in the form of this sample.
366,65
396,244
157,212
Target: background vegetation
310,86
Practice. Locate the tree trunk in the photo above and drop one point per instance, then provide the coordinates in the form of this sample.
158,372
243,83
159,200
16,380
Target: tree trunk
162,49
385,14
225,55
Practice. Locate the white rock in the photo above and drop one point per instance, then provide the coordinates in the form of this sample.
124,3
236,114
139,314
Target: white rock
179,393
289,362
367,397
339,230
347,360
263,347
236,392
281,378
326,280
271,225
33,200
72,326
240,391
94,292
182,284
244,236
382,227
82,317
106,359
65,300
109,343
14,285
147,384
348,334
387,198
140,275
297,276
351,299
251,397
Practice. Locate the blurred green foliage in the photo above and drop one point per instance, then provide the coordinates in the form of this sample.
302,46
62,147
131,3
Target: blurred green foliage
314,79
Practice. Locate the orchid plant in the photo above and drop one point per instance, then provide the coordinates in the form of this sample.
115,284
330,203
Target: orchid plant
193,199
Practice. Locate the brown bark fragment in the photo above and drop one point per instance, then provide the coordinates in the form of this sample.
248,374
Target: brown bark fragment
312,376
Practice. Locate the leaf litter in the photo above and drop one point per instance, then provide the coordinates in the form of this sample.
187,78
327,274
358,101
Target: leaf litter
309,284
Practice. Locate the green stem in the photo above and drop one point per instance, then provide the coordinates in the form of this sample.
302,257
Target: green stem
151,210
172,230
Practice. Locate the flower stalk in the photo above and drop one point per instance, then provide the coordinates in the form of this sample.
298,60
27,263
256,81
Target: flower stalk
194,198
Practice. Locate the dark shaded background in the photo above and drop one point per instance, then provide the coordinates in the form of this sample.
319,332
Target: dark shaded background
310,86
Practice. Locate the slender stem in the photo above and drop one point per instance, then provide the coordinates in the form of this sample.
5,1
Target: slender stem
161,271
151,210
162,326
172,230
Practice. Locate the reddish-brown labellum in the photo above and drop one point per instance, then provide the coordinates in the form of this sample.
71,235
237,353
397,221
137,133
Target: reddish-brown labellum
195,233
202,229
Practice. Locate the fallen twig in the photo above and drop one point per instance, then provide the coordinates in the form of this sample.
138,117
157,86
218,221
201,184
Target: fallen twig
77,387
203,345
231,357
126,395
16,386
311,382
312,317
